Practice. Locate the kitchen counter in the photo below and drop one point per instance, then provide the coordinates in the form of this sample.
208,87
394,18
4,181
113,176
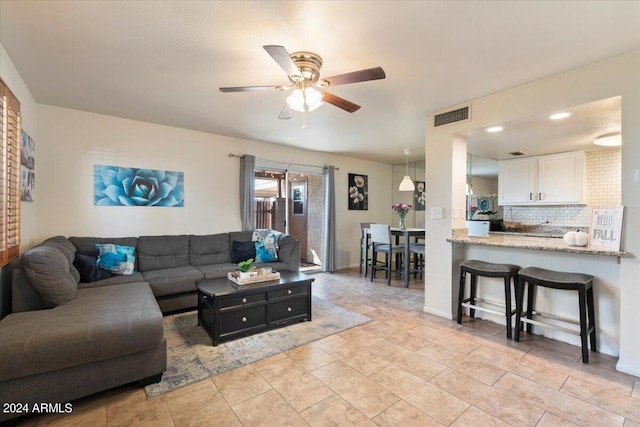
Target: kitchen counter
529,241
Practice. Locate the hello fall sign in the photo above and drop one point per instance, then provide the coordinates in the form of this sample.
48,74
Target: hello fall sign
606,227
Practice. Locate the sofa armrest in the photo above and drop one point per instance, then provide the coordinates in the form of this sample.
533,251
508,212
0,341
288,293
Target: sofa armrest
289,251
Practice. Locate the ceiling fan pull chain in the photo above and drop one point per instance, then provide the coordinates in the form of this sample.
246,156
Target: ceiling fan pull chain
304,119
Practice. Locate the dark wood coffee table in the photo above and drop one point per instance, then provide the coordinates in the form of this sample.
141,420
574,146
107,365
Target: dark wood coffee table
227,311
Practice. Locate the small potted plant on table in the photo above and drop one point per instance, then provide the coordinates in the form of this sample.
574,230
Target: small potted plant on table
245,268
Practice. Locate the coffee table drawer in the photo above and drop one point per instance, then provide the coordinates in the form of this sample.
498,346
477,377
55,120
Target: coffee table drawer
234,301
289,308
237,320
288,291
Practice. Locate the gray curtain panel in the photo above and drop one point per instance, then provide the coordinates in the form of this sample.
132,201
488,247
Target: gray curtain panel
247,192
329,217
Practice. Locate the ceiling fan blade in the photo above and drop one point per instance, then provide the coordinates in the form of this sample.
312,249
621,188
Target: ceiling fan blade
249,88
340,102
356,76
286,113
281,56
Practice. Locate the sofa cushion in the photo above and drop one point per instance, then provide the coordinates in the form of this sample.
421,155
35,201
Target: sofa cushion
87,245
88,268
65,246
213,271
242,251
240,236
172,280
48,271
24,296
116,259
276,266
209,249
116,279
97,324
160,252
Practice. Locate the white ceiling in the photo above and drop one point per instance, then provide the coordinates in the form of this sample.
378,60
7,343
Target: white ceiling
163,62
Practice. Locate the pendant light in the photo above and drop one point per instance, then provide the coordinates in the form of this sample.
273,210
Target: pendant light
407,184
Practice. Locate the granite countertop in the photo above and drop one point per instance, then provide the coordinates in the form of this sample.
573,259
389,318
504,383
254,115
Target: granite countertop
540,230
529,241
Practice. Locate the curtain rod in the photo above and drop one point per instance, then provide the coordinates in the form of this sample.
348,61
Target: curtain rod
282,163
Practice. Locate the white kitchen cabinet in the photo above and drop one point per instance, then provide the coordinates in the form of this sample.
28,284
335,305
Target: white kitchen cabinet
554,179
517,181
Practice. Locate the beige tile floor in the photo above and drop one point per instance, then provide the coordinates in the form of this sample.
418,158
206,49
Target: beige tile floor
404,368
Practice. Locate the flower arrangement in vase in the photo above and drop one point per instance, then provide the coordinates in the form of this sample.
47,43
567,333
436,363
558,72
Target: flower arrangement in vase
401,209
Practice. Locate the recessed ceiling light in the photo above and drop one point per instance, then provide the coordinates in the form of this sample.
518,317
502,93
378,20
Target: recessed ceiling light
494,129
609,140
559,116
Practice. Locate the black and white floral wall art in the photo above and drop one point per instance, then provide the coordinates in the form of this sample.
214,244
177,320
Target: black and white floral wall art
358,192
27,168
419,197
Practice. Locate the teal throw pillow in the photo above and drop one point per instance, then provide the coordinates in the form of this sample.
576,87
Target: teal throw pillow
267,249
115,258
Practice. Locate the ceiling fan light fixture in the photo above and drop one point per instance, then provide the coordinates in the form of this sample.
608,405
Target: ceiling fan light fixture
295,101
311,98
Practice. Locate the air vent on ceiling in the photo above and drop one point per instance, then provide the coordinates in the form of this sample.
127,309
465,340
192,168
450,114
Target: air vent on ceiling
517,153
452,116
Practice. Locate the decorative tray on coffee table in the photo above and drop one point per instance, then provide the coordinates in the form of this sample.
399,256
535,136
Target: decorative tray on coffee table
255,277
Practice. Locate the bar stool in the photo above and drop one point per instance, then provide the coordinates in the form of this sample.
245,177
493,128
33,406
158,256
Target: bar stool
365,246
583,283
486,269
381,242
418,252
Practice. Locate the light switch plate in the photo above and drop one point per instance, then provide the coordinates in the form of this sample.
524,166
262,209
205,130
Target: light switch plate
436,212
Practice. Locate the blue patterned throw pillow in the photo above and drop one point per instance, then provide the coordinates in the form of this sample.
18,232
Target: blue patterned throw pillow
267,249
115,258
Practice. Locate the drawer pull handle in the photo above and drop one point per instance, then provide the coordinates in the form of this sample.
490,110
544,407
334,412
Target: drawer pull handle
288,308
244,319
288,291
244,300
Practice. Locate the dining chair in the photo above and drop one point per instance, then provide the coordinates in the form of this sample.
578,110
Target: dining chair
381,242
365,246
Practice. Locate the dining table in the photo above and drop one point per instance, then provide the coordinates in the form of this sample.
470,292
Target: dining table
407,234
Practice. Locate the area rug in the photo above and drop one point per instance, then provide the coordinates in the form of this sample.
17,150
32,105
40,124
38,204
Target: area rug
191,356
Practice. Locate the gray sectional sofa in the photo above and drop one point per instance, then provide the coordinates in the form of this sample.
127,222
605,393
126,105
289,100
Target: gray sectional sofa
61,338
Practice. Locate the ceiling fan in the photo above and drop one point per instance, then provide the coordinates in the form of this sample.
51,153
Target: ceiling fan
303,70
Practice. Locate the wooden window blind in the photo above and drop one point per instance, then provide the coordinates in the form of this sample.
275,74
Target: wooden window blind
10,129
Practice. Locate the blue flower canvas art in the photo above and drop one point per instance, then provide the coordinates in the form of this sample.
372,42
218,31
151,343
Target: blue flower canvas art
121,186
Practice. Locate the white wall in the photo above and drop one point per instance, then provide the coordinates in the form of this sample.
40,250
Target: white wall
71,142
28,109
613,77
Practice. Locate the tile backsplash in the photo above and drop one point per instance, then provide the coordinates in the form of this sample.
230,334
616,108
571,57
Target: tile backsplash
603,189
